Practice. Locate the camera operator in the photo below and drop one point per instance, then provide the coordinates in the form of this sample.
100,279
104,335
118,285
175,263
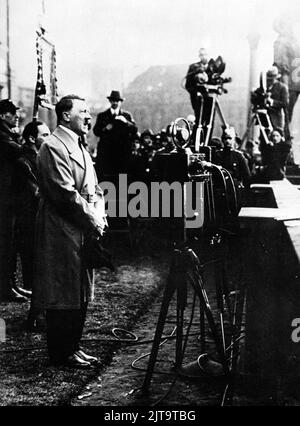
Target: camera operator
204,82
275,99
197,75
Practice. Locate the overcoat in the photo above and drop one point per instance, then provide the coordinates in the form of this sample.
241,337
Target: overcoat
115,145
277,112
71,206
10,151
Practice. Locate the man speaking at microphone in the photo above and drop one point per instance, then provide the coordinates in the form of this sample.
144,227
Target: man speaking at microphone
70,211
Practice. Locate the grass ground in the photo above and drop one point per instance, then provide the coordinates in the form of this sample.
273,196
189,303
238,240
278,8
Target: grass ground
26,378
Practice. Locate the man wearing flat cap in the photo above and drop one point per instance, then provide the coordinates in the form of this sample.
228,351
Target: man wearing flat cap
10,151
115,129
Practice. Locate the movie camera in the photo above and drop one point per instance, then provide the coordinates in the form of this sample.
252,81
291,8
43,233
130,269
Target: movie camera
205,83
183,165
260,97
215,83
207,78
260,106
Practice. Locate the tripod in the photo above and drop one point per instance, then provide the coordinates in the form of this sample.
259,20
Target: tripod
187,271
206,106
260,118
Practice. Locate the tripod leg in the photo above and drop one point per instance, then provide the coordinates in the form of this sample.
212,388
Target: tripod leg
226,294
211,103
202,330
181,303
199,131
220,304
211,322
176,280
168,293
195,276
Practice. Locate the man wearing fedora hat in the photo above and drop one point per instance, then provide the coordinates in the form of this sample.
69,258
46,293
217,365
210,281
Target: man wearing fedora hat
10,151
277,100
115,129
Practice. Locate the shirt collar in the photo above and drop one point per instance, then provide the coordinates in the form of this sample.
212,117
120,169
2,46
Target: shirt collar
115,111
70,132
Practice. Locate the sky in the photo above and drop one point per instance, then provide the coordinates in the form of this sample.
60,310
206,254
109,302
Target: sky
134,34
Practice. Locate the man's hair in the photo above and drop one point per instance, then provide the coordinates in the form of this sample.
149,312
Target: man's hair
65,105
31,129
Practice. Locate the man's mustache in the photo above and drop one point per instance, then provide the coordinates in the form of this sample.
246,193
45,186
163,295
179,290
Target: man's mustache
88,122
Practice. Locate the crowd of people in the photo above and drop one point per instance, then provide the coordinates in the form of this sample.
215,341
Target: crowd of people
122,148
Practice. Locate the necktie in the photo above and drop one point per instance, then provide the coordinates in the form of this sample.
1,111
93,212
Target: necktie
82,142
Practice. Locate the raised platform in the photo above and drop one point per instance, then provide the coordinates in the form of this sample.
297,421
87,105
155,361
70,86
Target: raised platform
287,197
272,268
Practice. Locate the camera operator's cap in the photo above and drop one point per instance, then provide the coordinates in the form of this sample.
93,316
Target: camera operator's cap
115,96
6,105
273,72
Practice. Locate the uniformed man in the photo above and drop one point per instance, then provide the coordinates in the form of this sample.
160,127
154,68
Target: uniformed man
277,100
10,151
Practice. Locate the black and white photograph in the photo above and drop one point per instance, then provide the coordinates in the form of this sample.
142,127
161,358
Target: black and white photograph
149,206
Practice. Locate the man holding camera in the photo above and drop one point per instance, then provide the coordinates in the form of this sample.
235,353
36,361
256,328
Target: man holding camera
68,215
197,75
277,99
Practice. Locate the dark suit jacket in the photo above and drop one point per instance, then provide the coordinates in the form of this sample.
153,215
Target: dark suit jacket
115,145
10,151
26,187
280,96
